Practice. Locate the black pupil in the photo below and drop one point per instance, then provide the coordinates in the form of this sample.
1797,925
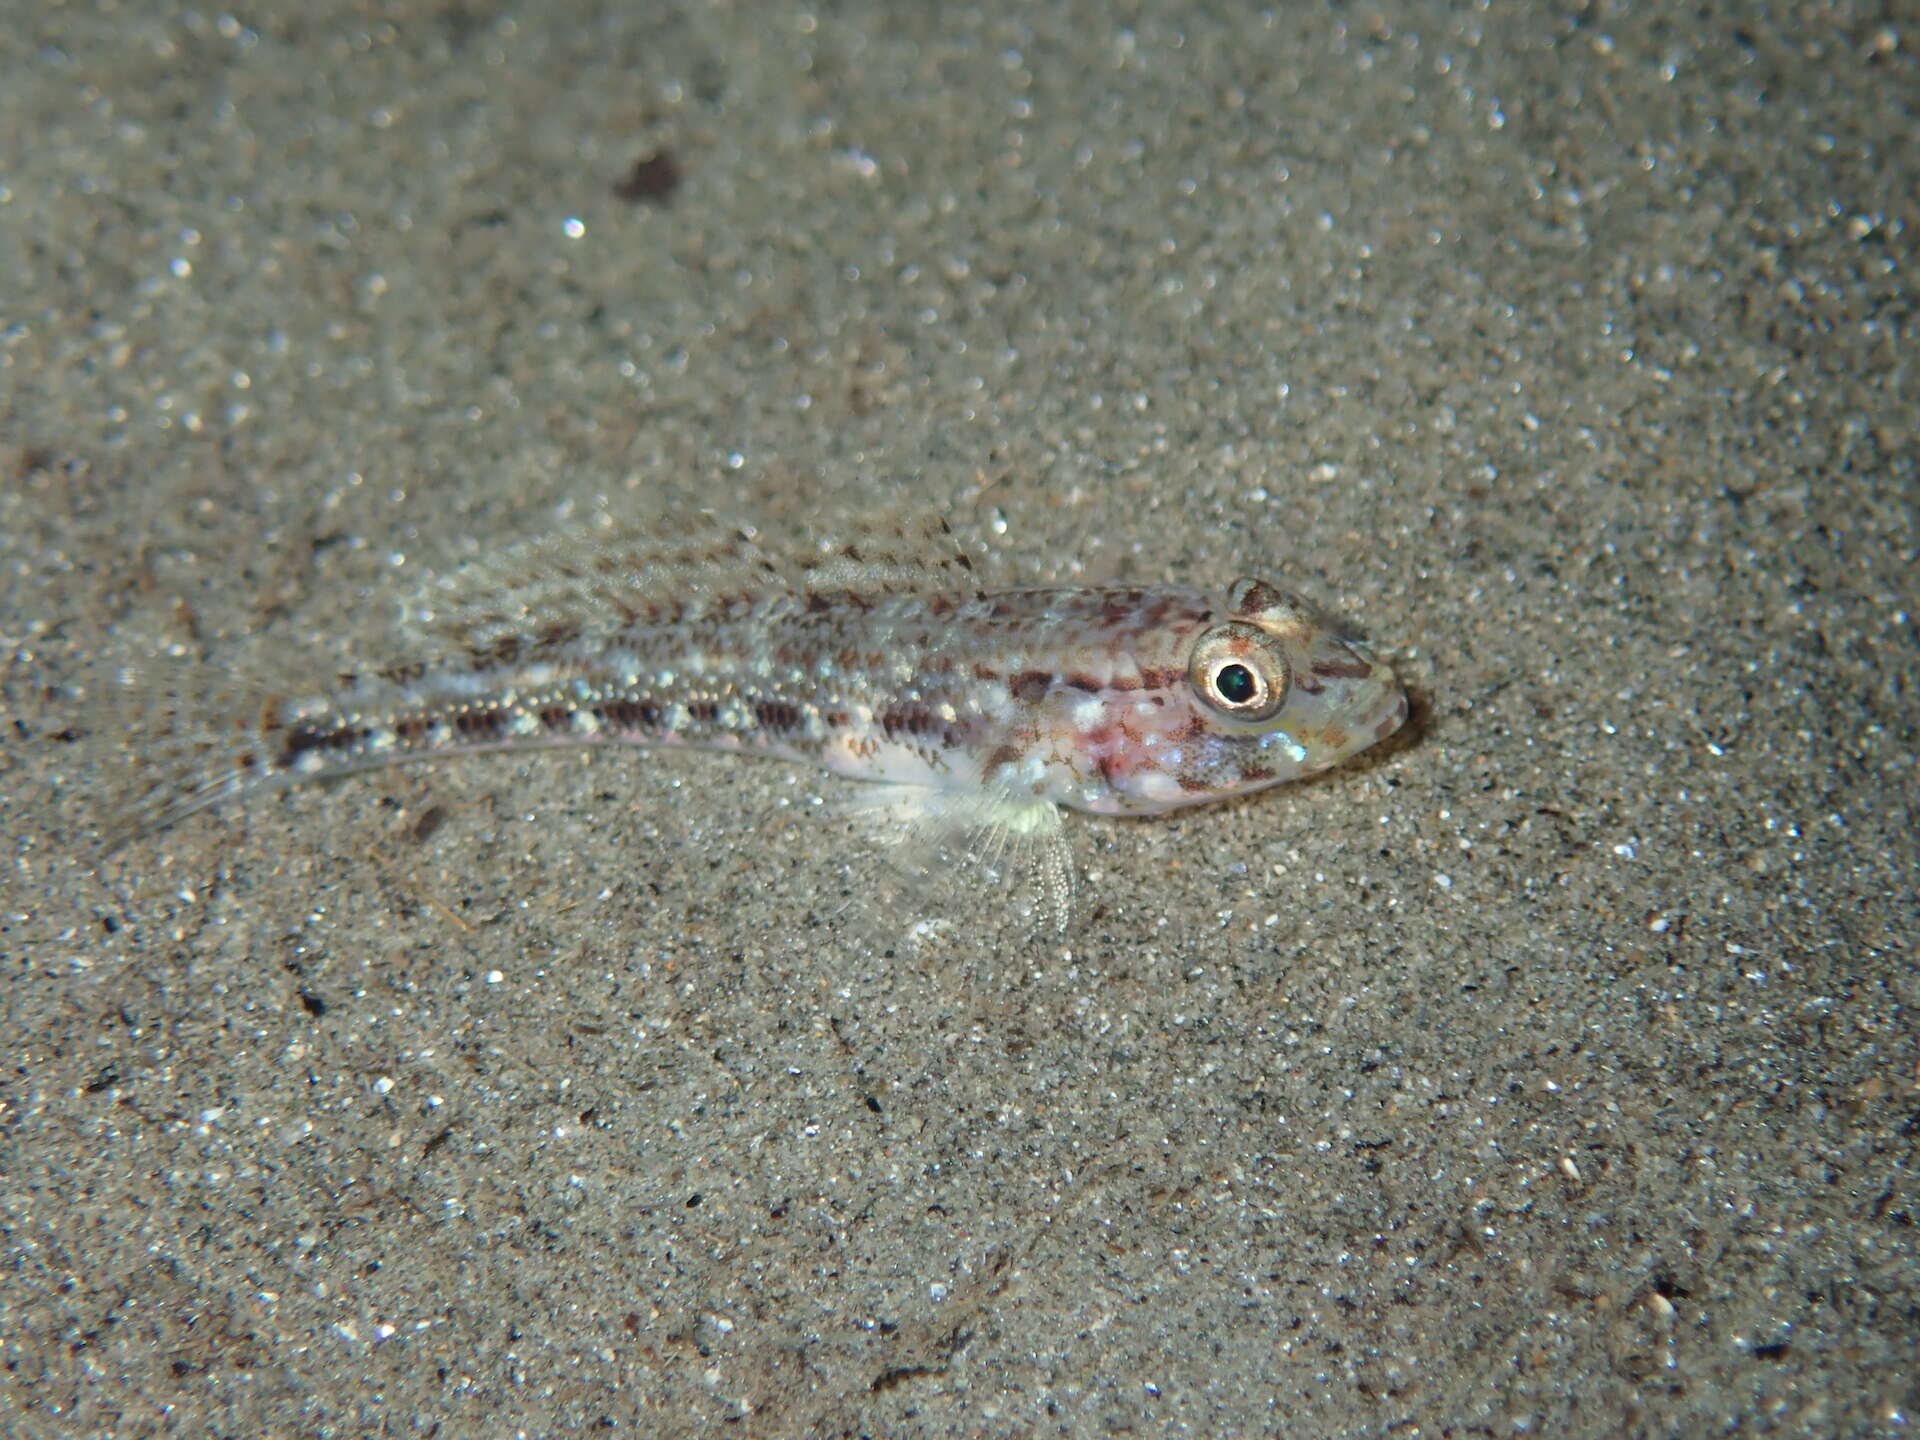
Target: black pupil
1235,684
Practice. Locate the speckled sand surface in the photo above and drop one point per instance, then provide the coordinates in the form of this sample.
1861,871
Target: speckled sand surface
1553,1072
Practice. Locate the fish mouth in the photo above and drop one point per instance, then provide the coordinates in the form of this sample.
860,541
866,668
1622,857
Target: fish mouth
1362,704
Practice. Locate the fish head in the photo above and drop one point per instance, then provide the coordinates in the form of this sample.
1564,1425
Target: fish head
1270,692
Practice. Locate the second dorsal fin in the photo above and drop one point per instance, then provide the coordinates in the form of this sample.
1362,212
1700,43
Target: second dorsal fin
678,569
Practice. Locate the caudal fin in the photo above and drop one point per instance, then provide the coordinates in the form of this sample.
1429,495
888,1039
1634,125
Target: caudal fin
169,751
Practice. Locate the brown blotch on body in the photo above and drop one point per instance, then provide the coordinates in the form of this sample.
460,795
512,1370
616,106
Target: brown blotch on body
1003,755
1164,676
1195,727
1260,598
501,650
1029,686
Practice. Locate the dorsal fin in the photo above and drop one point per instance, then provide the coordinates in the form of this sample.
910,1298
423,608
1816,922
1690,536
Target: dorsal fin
678,569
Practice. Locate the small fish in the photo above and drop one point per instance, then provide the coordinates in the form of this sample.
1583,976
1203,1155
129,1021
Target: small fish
878,656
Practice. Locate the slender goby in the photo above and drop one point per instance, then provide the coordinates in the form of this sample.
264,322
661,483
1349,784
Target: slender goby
877,655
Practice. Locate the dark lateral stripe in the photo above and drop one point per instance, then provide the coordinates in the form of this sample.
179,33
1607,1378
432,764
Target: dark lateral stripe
479,724
778,716
908,720
305,740
629,715
921,722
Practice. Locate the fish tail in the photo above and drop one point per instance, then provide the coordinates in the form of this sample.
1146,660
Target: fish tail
174,753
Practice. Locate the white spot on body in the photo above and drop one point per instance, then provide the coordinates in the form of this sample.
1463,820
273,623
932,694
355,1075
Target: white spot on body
1160,788
1286,744
1089,713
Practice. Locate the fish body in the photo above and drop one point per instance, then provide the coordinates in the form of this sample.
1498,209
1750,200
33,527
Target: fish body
878,658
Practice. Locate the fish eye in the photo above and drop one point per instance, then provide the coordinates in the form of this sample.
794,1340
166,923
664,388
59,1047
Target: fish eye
1240,671
1235,683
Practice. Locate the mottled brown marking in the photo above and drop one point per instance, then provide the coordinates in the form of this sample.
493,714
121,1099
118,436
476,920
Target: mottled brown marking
703,712
413,729
1001,756
984,672
1254,774
501,650
1164,677
478,723
1195,727
1260,598
556,717
1029,686
1084,682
